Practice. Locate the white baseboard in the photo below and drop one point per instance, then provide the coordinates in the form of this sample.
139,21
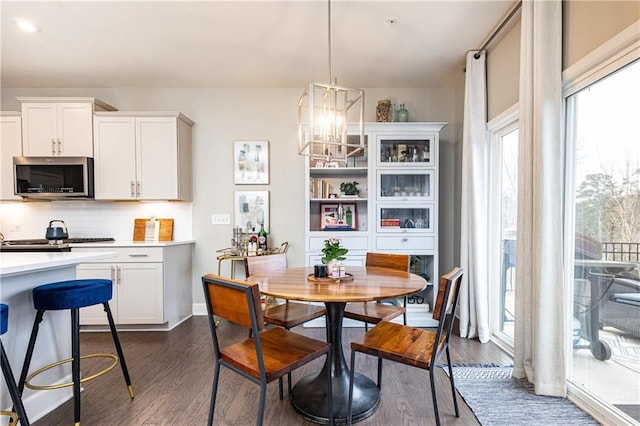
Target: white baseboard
199,309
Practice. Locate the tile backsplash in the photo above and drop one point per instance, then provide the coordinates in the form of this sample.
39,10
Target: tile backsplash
86,219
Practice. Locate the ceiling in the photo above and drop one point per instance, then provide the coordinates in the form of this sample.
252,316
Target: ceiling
250,44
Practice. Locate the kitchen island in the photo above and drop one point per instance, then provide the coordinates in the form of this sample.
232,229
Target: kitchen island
19,274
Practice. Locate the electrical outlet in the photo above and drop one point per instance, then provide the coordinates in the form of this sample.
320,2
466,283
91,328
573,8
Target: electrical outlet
220,219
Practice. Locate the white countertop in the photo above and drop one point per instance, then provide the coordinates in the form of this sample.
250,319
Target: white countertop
22,263
122,243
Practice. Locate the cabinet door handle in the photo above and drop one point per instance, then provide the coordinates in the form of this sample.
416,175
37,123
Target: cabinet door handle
53,146
404,240
113,273
133,189
139,255
119,275
138,189
59,147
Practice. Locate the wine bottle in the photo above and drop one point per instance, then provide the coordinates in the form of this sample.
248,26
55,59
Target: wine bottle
262,239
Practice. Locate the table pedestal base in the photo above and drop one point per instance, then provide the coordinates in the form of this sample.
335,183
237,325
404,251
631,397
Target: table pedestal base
309,398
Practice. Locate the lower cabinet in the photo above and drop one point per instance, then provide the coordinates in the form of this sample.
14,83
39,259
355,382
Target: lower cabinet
152,287
137,293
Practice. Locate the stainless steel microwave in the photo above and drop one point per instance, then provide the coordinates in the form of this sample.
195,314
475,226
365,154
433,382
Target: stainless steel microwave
53,177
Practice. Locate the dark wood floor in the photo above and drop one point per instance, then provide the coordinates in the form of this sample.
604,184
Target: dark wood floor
172,375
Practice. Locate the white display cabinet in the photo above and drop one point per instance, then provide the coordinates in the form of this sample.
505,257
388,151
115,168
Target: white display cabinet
396,209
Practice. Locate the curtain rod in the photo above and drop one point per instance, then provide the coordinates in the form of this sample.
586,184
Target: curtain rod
499,28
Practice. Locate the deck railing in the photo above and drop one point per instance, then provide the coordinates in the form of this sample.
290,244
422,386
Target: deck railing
623,252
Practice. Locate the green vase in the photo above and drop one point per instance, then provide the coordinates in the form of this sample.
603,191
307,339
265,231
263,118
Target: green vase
402,114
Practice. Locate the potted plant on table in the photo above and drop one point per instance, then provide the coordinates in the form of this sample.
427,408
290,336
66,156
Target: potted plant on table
332,253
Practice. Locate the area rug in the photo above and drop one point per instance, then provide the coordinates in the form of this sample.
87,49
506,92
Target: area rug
496,398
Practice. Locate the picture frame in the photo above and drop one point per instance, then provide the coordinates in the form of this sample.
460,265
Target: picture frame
251,210
329,217
251,162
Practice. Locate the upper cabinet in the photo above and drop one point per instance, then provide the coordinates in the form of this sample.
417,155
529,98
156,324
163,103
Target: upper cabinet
59,126
10,147
142,156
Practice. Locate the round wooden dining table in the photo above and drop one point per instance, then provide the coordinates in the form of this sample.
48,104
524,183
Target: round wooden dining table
309,395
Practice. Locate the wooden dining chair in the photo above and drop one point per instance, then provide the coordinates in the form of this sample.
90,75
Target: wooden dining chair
415,346
374,312
269,354
288,314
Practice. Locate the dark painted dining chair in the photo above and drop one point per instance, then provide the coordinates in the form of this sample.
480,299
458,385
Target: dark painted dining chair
269,354
415,346
374,312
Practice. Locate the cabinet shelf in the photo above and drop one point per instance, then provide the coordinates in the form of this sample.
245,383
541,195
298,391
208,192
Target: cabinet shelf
338,171
337,200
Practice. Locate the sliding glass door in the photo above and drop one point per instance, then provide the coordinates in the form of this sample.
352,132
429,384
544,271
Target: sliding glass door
603,152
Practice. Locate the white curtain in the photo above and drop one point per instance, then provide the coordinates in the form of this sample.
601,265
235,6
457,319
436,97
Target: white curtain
539,324
474,293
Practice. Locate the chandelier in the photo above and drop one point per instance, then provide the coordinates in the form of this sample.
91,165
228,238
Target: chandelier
324,111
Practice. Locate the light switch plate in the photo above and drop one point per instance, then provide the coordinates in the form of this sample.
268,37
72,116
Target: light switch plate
221,219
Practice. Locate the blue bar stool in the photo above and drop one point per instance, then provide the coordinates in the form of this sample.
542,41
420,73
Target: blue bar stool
19,414
72,295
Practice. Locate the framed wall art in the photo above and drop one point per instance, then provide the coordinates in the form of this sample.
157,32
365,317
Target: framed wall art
338,216
251,162
252,210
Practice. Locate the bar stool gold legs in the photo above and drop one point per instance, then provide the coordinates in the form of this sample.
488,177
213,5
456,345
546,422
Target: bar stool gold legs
65,361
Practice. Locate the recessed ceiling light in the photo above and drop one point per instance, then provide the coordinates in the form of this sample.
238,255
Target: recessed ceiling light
26,25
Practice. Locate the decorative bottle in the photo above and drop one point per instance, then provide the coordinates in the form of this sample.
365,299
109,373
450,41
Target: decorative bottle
402,114
262,239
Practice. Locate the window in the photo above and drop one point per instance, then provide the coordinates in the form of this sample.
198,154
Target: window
503,217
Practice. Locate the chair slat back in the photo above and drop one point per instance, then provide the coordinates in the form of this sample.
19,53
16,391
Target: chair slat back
235,301
398,262
448,288
444,309
271,262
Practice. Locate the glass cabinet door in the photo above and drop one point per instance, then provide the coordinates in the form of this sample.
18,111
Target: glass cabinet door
405,185
394,218
395,151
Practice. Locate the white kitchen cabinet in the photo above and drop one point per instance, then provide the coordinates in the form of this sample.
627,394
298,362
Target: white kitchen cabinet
137,293
151,286
59,126
142,156
11,146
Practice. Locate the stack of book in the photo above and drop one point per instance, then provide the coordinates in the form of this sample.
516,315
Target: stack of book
320,188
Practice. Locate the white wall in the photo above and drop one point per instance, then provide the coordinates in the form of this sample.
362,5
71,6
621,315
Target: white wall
222,116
